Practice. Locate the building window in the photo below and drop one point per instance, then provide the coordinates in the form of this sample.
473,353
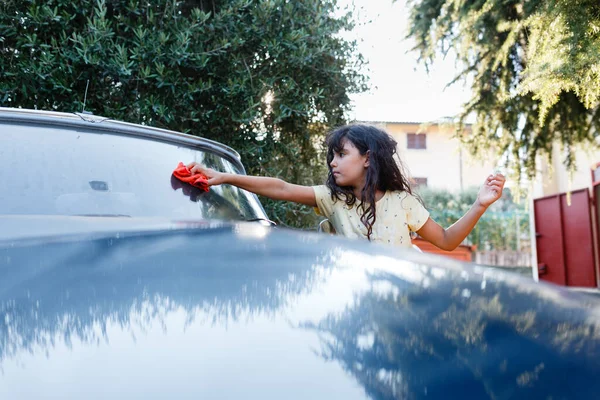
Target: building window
419,182
416,140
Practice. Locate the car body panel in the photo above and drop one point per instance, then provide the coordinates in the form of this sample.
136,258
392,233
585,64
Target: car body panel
243,310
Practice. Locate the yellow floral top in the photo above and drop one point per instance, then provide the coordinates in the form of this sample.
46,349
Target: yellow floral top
397,213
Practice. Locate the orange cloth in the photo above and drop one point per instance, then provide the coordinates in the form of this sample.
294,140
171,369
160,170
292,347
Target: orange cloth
198,180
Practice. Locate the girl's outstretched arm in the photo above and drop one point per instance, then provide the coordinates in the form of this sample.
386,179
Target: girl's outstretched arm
449,239
273,188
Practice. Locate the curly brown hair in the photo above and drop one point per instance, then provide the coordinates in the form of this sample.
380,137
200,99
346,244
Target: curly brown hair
383,173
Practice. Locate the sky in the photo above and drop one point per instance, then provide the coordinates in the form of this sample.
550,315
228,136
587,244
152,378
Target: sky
402,90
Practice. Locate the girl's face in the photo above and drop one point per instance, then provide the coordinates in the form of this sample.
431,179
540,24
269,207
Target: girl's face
349,167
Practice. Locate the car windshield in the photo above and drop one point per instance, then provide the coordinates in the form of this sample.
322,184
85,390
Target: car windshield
72,171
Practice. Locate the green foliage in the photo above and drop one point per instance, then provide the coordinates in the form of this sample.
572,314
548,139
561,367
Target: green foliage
267,77
534,67
500,228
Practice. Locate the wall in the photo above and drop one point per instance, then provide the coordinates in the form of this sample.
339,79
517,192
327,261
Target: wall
553,178
443,162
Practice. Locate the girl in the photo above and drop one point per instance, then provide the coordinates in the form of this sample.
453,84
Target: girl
366,195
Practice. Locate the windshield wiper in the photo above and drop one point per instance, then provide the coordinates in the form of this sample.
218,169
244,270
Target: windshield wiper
272,223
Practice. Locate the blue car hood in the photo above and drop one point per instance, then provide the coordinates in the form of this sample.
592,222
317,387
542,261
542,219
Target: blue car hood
245,311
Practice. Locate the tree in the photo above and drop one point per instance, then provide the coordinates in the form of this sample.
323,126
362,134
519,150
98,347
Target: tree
499,228
534,67
267,77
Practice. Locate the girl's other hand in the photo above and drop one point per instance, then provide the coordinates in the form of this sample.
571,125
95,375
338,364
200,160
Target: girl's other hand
491,189
214,177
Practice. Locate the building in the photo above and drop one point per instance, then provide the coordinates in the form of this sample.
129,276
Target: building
553,178
433,155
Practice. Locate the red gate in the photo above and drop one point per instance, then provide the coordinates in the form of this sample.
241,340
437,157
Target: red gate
564,239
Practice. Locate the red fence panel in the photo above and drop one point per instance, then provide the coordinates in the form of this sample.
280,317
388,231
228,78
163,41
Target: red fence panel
579,242
549,240
564,239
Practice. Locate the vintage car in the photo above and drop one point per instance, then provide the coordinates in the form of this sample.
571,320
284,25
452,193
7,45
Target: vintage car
144,294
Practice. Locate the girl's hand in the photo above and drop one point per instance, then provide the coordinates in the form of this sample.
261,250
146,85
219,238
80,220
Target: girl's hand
214,177
491,189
